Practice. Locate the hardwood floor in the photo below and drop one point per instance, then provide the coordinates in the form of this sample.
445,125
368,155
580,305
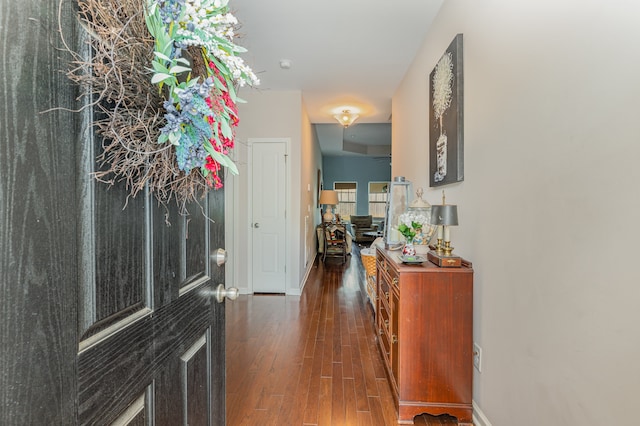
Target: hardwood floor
309,360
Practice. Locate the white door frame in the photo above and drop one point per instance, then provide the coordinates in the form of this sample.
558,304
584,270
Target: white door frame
250,143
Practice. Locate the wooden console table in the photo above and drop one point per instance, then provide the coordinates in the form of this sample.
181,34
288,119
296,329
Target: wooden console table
424,318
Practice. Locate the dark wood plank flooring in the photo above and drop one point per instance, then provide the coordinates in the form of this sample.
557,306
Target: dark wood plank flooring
309,360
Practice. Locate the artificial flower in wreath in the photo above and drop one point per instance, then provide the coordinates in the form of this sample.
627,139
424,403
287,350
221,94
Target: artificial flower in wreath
200,97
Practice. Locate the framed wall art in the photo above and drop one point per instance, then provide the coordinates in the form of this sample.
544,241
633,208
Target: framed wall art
446,119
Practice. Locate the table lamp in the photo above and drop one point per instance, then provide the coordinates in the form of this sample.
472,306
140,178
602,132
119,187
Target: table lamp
328,198
444,216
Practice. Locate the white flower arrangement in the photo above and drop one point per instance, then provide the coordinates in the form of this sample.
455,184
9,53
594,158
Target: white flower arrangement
412,220
416,227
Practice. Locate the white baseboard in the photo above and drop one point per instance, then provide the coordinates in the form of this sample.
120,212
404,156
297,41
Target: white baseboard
298,292
479,419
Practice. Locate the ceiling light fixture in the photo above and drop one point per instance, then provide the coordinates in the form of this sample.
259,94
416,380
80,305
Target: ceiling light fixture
346,117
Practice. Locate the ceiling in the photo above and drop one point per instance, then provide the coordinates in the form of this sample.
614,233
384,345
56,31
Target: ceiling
370,139
342,53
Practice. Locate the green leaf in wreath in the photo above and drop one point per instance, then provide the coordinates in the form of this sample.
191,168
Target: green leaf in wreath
160,77
159,68
177,69
162,56
221,158
174,138
226,129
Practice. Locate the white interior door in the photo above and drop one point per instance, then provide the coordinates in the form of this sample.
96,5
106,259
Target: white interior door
268,195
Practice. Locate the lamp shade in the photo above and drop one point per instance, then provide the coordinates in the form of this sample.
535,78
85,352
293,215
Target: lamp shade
444,215
328,197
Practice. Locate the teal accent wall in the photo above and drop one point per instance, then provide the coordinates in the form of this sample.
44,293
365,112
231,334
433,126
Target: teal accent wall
361,170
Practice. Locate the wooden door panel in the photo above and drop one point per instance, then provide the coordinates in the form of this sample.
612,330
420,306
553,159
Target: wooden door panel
117,370
136,414
196,389
168,233
113,281
197,235
119,239
186,372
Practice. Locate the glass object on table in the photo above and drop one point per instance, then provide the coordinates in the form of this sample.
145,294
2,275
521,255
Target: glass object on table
399,191
419,211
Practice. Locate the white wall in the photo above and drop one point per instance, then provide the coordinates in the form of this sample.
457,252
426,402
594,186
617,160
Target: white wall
311,162
550,203
273,114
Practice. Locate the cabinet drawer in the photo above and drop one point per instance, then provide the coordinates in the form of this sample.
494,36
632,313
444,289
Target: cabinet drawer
385,292
385,320
385,344
393,333
386,267
393,277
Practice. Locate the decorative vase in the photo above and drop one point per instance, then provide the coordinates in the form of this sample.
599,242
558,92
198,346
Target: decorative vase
409,249
419,238
420,242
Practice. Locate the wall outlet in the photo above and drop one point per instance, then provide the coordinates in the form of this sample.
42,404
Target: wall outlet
477,357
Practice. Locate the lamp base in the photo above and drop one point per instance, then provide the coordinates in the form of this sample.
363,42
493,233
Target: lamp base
328,216
444,261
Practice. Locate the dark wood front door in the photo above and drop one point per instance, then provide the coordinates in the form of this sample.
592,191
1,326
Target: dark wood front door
152,334
106,314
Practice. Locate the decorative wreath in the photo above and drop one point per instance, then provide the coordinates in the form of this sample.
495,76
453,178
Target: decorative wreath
162,79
